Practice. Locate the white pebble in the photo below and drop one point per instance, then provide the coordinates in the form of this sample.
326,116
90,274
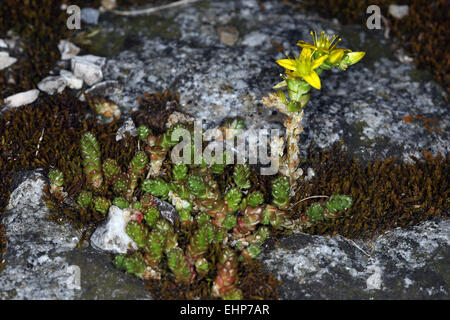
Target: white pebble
6,60
22,98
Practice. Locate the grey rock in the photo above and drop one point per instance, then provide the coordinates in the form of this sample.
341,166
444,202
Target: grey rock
111,235
3,44
108,88
88,68
403,264
362,106
255,39
90,15
5,60
128,126
167,210
52,84
35,267
67,49
101,280
89,58
22,98
70,79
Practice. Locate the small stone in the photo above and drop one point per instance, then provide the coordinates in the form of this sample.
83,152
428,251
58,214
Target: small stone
22,98
111,236
254,39
89,58
109,4
6,60
52,84
398,11
71,81
309,174
67,49
90,15
167,210
88,68
228,35
108,88
128,126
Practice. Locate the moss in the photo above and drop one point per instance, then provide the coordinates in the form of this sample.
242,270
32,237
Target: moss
386,193
60,121
423,33
155,109
40,24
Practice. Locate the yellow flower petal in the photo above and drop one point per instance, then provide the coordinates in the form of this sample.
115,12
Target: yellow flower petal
287,63
313,79
305,54
317,63
336,56
354,57
304,44
280,85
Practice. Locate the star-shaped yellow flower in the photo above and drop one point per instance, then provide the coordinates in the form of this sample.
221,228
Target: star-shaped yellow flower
304,67
325,45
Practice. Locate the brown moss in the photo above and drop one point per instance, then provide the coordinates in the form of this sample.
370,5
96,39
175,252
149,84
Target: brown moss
56,123
155,109
40,24
424,33
386,194
255,284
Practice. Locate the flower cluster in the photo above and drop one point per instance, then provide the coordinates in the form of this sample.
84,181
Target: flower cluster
300,75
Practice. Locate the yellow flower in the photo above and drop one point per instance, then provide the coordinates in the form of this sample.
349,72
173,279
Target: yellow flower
354,57
324,44
350,59
304,67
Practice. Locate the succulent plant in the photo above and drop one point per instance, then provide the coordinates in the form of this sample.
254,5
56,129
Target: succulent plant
90,151
315,212
143,132
224,284
110,169
151,216
215,231
233,198
255,199
133,264
179,266
138,232
56,177
120,184
102,205
157,187
155,248
280,192
84,199
241,176
338,203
